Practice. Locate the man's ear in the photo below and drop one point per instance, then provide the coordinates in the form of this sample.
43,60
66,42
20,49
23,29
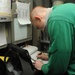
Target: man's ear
38,18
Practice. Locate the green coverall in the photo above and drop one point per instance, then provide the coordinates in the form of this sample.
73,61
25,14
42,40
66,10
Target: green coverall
61,52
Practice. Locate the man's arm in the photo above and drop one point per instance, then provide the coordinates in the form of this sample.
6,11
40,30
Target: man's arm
60,48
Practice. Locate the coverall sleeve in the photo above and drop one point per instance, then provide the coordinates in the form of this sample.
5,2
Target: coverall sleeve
60,34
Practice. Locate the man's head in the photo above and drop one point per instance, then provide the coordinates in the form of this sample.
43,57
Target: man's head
37,17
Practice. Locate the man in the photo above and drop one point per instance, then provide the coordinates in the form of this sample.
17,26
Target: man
60,23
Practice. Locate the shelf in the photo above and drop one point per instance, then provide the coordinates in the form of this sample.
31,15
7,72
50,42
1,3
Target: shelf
45,41
5,18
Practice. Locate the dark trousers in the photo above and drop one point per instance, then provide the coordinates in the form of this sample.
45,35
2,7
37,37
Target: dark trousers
41,73
38,72
66,73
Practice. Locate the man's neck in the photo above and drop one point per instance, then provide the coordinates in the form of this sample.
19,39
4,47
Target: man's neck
48,11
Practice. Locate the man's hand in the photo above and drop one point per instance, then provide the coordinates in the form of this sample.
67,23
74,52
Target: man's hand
43,56
38,64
